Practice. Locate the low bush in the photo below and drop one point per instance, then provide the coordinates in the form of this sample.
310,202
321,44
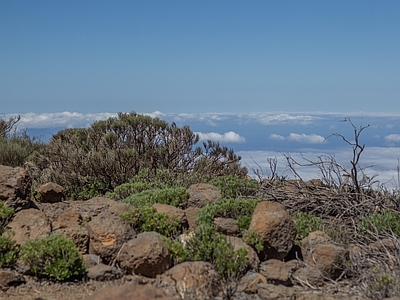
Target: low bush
306,223
6,213
235,186
8,251
54,256
385,222
211,246
113,151
253,239
239,209
172,196
148,219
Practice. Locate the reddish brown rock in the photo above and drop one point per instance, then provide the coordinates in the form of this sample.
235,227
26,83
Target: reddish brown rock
192,280
275,226
248,283
107,234
10,278
79,235
203,193
50,193
15,185
146,255
69,218
328,258
227,226
277,271
191,215
29,224
252,256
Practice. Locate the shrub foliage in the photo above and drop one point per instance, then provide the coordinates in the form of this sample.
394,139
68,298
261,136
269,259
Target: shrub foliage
54,256
240,209
148,219
111,152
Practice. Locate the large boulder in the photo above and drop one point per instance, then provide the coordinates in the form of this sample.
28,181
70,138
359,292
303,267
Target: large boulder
29,224
50,192
227,226
191,215
192,280
203,193
68,218
93,207
101,272
107,234
146,255
279,272
248,283
275,226
329,259
79,235
15,185
320,252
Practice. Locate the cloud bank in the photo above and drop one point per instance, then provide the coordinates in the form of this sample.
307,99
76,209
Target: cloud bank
392,138
300,138
227,137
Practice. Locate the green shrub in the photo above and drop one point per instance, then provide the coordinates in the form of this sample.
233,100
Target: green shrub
234,186
8,251
148,219
127,189
382,283
18,149
113,151
54,256
86,192
240,209
144,180
172,196
6,213
211,246
385,222
253,239
306,223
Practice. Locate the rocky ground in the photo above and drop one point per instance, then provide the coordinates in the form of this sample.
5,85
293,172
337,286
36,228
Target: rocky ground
124,264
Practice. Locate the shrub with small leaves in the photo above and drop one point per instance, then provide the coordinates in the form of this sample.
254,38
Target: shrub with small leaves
306,223
253,239
385,222
172,196
6,213
8,251
148,219
54,256
235,186
209,245
144,180
240,209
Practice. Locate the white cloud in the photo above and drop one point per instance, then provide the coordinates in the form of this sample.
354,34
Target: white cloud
300,138
276,137
271,119
392,138
155,114
227,137
306,138
61,119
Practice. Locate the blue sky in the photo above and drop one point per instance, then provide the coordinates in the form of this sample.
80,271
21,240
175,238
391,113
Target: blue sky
199,56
